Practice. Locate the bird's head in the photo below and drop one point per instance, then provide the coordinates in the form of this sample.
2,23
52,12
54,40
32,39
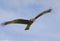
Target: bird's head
32,20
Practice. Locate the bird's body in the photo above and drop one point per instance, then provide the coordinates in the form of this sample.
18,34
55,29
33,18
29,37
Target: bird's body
24,21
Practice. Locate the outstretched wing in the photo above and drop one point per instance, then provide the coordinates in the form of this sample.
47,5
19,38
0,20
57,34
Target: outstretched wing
44,12
18,21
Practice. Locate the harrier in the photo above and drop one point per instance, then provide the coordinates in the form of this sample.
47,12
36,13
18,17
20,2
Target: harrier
27,22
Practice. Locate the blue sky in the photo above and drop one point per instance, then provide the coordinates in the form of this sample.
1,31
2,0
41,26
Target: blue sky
45,28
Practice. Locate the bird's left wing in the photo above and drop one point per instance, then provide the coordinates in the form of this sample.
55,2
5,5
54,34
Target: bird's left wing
42,13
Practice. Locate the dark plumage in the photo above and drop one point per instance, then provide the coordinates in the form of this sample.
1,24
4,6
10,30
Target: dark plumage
24,21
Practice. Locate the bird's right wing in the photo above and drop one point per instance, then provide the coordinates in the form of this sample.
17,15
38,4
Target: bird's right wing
18,21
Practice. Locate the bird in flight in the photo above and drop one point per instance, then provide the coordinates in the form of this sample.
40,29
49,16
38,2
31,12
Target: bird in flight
27,22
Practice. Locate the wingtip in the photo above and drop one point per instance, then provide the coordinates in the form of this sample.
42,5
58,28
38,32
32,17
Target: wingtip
2,24
5,23
49,10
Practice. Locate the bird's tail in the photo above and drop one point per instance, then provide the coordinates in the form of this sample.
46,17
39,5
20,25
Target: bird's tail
28,26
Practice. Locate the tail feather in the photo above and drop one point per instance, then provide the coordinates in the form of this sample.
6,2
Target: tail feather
28,26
